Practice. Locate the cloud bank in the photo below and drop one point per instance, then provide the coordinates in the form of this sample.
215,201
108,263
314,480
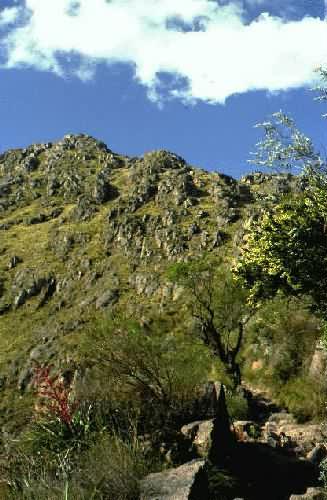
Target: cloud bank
187,49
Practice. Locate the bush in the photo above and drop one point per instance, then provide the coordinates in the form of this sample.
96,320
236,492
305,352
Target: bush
237,406
111,469
151,370
282,337
304,398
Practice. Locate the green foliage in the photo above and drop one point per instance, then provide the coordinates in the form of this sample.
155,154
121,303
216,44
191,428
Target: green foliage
237,405
112,468
286,250
151,369
282,336
219,306
304,397
51,434
210,287
109,468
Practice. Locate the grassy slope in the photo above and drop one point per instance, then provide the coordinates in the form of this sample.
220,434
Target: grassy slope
156,200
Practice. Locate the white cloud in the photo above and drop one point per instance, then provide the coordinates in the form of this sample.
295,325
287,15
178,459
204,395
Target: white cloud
8,16
217,52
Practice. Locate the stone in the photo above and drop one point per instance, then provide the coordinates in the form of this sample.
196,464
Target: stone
173,484
31,163
20,299
306,436
14,261
30,285
36,219
282,418
25,378
103,190
108,298
199,432
318,454
311,494
193,229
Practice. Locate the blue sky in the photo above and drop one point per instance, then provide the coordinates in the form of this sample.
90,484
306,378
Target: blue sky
191,76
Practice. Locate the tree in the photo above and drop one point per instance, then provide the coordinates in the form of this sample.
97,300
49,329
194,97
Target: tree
286,249
219,306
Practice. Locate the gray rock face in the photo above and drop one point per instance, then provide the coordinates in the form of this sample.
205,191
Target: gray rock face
28,284
108,298
174,484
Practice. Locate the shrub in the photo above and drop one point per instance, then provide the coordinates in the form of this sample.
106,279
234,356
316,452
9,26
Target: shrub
151,370
304,398
237,406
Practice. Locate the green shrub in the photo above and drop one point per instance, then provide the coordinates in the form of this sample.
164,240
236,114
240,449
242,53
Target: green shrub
111,469
303,397
237,405
152,370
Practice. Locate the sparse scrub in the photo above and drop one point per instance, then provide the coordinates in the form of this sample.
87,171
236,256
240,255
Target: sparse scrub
153,369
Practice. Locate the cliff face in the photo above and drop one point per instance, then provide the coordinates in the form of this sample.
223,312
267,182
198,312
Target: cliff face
83,229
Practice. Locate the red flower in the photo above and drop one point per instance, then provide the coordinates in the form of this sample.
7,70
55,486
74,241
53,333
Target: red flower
55,394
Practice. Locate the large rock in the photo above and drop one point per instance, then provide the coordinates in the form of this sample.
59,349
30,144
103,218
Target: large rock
199,432
305,436
311,494
318,454
173,484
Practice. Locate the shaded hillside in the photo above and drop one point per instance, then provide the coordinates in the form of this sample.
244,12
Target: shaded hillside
83,230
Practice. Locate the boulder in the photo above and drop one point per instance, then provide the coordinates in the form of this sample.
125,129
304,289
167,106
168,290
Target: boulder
173,484
311,494
318,454
305,436
199,432
282,418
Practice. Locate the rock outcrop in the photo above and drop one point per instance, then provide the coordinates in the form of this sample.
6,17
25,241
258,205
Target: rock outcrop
173,484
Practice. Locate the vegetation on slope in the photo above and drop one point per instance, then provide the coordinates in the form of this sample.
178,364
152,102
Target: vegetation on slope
113,271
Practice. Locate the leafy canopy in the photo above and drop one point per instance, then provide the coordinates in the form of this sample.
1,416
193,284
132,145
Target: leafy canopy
286,249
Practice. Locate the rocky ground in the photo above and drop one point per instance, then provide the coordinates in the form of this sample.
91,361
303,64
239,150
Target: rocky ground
274,458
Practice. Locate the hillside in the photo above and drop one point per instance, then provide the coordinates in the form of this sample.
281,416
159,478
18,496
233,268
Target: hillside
84,229
87,236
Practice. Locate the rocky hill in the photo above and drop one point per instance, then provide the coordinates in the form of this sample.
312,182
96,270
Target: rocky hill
83,229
